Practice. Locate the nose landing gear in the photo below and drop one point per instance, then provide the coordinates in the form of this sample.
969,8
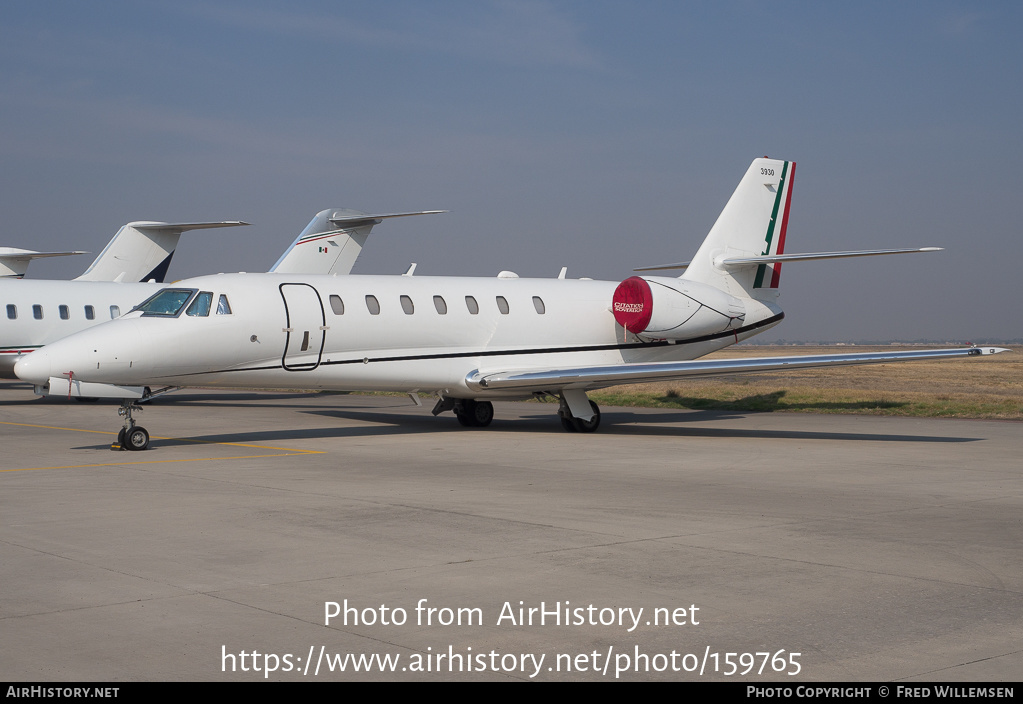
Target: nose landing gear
131,436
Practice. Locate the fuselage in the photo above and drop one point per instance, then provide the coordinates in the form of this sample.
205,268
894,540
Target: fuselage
397,333
35,312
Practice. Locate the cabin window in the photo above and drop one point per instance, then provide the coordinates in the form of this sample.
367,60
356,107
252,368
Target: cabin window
12,311
472,305
538,304
223,307
65,312
502,305
37,312
336,304
373,304
406,305
168,302
440,305
115,312
201,305
90,313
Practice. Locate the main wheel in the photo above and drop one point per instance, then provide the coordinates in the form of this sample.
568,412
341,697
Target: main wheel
568,423
483,414
475,414
466,413
136,439
588,426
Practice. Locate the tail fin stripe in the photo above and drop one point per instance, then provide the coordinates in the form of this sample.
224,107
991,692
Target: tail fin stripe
784,228
762,269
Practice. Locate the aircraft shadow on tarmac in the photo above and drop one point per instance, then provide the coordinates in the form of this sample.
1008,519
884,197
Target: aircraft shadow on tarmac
384,421
770,402
381,421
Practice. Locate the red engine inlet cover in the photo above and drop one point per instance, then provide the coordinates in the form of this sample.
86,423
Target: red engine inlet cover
633,304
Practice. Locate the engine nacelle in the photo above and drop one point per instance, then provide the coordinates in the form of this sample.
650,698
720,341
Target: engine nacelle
663,308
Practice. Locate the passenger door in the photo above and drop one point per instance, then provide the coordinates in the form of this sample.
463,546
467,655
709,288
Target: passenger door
305,327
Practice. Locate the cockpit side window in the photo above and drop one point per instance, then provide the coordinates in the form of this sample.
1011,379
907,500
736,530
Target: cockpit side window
223,307
167,302
201,305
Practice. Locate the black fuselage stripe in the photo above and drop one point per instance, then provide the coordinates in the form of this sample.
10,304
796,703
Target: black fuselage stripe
511,353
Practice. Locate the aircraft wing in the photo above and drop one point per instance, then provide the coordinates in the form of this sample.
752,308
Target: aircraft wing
599,377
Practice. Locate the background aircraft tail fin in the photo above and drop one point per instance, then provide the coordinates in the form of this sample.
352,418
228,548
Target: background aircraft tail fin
753,223
332,241
14,262
142,251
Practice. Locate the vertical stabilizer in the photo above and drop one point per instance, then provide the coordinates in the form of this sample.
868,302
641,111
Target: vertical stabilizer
332,241
142,251
753,223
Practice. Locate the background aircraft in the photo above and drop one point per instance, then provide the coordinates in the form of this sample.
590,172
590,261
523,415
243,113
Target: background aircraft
139,251
332,241
37,312
14,261
469,340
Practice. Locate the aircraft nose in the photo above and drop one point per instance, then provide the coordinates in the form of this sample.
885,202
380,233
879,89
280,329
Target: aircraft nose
102,354
35,367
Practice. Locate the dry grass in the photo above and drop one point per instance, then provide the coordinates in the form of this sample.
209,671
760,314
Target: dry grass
988,387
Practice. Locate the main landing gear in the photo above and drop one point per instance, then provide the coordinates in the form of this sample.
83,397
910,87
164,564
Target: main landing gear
578,425
479,414
131,436
474,414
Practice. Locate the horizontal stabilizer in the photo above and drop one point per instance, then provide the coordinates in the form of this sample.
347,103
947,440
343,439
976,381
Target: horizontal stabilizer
14,261
599,377
752,261
185,226
352,219
731,262
665,267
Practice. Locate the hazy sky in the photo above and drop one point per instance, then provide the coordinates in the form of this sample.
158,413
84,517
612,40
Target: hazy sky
597,135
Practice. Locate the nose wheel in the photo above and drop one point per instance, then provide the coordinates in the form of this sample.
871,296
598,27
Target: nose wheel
136,439
131,436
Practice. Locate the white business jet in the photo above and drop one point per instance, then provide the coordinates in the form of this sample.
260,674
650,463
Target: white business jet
469,340
36,312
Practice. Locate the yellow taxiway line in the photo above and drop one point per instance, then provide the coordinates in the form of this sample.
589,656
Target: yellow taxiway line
282,451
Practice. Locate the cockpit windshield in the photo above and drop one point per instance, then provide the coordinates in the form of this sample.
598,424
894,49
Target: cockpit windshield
201,305
168,302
